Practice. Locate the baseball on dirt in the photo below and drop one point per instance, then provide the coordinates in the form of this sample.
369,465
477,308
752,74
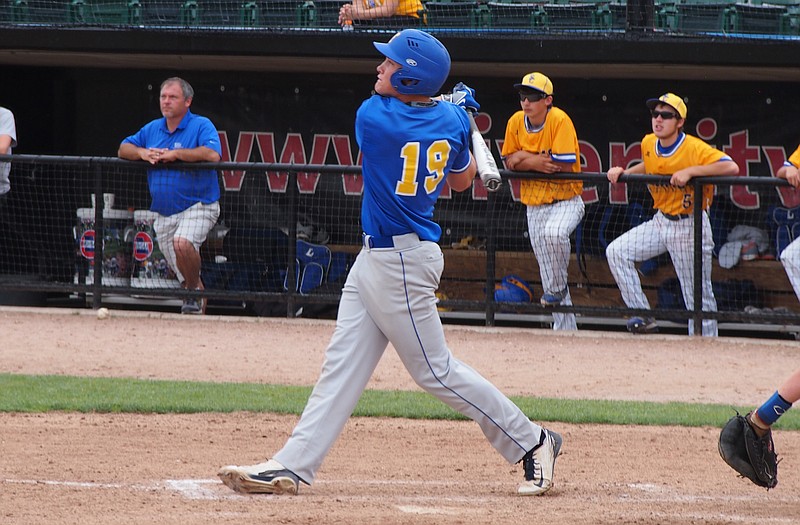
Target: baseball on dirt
103,313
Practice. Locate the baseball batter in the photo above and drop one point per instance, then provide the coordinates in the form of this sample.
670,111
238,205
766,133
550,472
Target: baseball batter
542,138
411,144
790,256
670,152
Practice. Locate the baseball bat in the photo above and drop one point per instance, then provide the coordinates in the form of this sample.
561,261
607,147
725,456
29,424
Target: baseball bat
487,168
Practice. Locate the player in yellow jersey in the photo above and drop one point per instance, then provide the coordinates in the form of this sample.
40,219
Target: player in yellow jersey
541,138
790,256
669,151
386,13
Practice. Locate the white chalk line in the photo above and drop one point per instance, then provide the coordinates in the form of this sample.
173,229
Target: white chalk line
212,489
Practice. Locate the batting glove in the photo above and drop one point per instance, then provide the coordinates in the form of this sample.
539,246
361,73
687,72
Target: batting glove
464,96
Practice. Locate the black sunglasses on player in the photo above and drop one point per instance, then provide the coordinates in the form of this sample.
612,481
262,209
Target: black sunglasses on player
666,115
532,97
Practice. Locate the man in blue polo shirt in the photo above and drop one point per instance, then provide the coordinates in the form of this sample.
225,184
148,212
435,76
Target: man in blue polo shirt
187,201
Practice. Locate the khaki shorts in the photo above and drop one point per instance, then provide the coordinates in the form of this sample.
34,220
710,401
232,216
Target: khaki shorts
192,224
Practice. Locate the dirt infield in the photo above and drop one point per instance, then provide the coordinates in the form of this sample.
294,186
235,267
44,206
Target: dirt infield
112,468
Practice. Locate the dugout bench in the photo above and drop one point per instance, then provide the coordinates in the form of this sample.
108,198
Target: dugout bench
465,274
464,278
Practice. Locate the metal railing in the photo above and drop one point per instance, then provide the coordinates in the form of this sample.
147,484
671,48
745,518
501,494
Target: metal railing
48,189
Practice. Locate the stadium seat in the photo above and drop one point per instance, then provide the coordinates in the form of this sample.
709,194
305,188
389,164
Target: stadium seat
250,14
321,13
9,8
171,13
230,13
518,15
77,12
790,21
219,13
278,14
451,14
481,17
39,11
730,17
574,16
619,14
601,16
666,15
189,13
706,16
762,19
193,13
126,12
111,12
114,12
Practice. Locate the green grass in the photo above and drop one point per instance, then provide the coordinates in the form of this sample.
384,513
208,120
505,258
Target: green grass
25,393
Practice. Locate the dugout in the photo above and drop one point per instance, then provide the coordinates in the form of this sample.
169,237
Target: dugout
291,97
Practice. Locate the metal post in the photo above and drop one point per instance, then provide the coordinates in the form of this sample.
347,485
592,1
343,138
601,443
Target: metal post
491,253
99,235
291,264
697,285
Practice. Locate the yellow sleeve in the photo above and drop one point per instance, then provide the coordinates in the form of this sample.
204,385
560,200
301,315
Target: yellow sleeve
408,7
565,140
511,142
794,158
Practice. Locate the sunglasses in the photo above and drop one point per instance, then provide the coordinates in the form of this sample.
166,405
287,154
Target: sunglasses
532,97
666,115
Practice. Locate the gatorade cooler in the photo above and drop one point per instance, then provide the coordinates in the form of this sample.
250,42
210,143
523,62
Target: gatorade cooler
150,268
118,231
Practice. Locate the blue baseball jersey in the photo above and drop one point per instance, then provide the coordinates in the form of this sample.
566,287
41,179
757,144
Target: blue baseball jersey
174,190
405,169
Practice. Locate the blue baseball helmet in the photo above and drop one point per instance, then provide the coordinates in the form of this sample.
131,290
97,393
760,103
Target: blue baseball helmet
424,62
513,289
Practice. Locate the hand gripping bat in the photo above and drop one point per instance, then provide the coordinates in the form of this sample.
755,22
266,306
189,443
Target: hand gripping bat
487,168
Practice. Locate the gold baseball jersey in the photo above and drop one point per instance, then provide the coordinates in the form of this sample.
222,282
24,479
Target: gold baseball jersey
794,159
404,7
687,151
556,138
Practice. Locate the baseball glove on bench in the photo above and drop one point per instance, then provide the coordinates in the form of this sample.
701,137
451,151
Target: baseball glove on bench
751,456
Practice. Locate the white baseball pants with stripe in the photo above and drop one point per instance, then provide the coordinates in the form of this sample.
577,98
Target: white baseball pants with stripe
389,298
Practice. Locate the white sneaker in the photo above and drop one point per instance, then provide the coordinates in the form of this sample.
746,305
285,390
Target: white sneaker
265,478
539,464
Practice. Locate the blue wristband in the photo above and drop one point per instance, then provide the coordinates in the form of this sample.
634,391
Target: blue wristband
774,408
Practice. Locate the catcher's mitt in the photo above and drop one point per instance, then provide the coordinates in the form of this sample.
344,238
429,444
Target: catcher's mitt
751,456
